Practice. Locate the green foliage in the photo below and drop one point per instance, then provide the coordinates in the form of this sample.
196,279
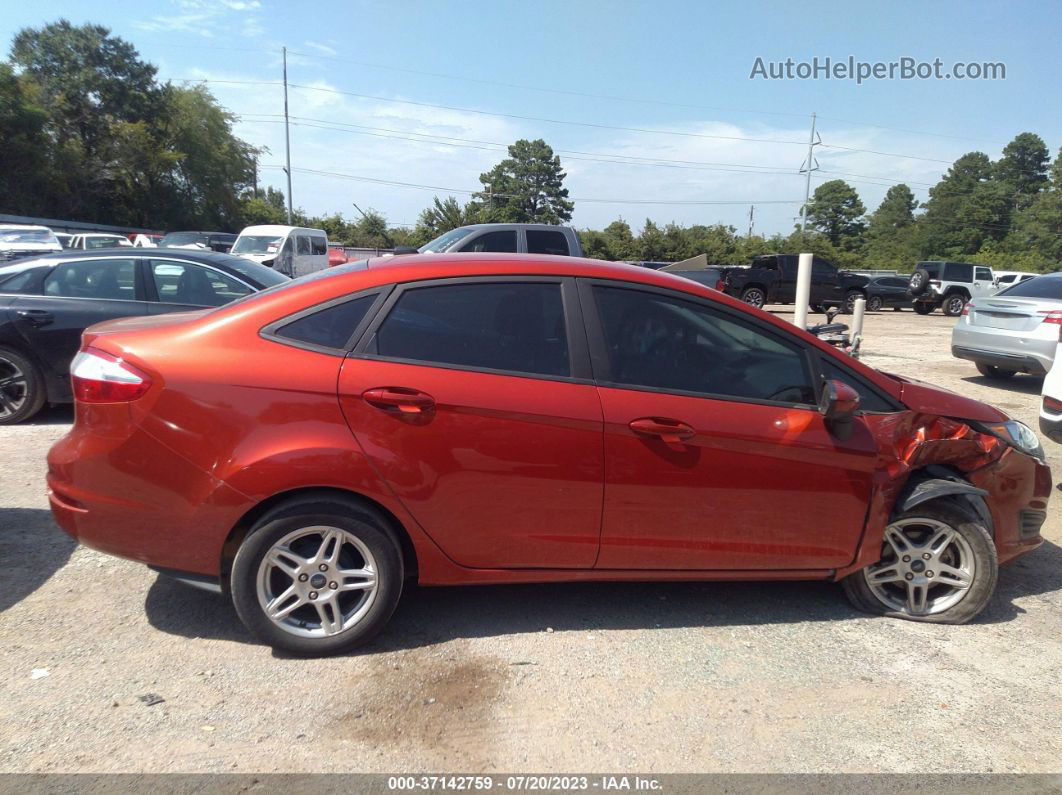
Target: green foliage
526,187
836,211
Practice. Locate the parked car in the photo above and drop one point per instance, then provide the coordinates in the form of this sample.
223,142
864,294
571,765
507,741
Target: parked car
291,250
1015,331
504,239
772,280
1005,279
459,419
1051,400
885,292
213,241
94,240
18,241
141,240
336,255
64,239
46,304
949,285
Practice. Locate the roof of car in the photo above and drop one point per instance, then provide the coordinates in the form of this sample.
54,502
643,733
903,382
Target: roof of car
201,255
25,227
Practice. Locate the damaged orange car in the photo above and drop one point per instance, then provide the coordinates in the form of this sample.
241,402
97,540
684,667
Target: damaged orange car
474,419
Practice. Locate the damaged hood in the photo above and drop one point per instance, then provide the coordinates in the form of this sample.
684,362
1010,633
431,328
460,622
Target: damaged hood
929,399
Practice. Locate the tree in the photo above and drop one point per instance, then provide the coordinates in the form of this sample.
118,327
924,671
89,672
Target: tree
836,211
1037,228
890,229
443,216
651,242
1023,167
26,171
959,199
526,187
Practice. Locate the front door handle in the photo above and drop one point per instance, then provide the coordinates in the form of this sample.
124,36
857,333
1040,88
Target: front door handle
399,398
669,430
36,317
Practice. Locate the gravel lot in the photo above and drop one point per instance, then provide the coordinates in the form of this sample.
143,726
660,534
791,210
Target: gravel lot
593,677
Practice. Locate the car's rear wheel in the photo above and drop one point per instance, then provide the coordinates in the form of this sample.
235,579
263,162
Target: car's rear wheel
938,564
875,303
954,304
317,578
995,373
22,390
923,308
754,296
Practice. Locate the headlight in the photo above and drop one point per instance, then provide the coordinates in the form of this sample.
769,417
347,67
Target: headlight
1018,435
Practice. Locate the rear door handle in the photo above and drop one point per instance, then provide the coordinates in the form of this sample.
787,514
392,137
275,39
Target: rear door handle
36,317
399,398
669,430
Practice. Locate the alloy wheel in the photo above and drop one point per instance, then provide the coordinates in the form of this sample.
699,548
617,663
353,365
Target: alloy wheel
14,387
955,305
317,581
926,567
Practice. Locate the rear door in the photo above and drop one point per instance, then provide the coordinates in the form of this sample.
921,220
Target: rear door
176,285
75,295
472,399
547,241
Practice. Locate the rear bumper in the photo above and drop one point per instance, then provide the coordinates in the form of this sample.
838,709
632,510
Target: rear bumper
1051,426
133,497
1022,363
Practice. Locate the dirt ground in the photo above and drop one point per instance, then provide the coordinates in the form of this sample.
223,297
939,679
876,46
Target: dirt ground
592,677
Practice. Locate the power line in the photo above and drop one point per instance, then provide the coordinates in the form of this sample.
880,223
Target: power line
375,180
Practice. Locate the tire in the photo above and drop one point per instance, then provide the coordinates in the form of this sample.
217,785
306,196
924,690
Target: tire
307,532
848,307
884,588
919,281
875,303
754,296
995,373
922,308
954,303
22,391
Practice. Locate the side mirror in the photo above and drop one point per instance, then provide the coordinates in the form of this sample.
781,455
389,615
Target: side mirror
838,405
405,250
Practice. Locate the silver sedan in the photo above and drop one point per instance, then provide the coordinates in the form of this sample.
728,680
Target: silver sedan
1014,331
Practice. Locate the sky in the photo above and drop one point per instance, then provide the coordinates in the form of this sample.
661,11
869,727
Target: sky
650,105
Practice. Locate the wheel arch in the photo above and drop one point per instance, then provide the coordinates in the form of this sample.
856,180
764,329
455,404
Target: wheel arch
936,482
243,526
960,290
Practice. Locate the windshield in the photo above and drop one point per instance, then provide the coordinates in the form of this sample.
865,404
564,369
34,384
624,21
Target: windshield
183,239
1038,287
444,241
258,244
28,236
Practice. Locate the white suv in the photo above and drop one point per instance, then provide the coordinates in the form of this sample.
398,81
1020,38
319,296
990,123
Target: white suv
949,285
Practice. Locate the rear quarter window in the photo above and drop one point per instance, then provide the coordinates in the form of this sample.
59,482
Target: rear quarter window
331,327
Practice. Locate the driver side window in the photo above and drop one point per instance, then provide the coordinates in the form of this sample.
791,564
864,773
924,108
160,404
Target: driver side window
667,343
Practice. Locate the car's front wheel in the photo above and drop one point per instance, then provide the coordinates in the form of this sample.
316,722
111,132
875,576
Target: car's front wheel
938,564
317,578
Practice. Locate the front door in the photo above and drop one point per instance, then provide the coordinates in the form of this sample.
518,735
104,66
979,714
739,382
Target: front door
473,402
715,455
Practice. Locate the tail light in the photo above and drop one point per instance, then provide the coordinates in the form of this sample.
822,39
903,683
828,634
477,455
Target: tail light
100,377
1054,317
1052,405
966,309
720,285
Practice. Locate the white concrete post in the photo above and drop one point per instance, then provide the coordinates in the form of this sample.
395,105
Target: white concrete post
803,291
858,311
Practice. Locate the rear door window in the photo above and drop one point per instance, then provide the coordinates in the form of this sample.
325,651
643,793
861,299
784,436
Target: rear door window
192,284
319,245
513,327
957,272
500,242
104,279
303,244
541,241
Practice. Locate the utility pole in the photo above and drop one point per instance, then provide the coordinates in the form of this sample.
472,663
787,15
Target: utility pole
287,133
809,166
752,214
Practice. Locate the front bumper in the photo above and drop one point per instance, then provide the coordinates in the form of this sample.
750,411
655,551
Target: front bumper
1019,487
